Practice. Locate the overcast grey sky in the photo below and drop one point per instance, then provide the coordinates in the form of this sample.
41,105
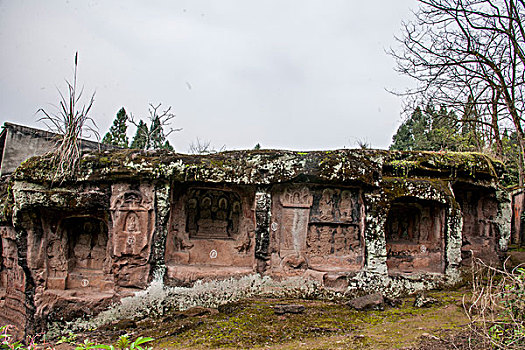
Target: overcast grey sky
299,75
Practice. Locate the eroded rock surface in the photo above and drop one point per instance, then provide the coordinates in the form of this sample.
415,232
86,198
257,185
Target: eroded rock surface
353,220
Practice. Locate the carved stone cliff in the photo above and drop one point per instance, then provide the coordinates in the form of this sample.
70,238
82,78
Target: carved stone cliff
350,219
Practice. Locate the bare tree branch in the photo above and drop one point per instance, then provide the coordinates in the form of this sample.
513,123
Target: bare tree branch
159,129
461,51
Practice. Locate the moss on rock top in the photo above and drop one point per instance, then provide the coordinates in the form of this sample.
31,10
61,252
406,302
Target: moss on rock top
365,167
442,164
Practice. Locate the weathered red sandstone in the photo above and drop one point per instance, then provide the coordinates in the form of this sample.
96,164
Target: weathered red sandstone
350,219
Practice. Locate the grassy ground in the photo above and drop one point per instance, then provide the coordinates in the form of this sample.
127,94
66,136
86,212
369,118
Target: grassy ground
253,324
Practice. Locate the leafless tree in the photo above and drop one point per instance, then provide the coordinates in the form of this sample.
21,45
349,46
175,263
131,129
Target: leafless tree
154,136
469,54
203,147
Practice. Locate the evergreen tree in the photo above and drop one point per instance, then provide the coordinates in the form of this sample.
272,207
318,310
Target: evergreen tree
432,130
117,133
140,141
167,146
157,137
154,136
405,137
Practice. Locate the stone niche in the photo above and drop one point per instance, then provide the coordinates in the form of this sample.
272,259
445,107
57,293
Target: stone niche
12,282
316,228
69,262
479,208
415,231
133,218
211,233
77,255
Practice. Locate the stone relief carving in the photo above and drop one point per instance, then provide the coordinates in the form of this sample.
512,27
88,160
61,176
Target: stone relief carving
56,255
326,205
77,254
212,214
296,201
320,227
334,235
131,224
337,240
245,240
10,271
347,205
89,246
57,264
296,197
181,241
414,232
333,205
413,223
294,262
211,232
132,212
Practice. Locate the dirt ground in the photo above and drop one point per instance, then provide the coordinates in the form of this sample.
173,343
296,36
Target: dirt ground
253,324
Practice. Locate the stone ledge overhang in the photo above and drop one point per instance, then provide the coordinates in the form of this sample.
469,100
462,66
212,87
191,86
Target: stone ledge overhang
265,167
395,188
467,166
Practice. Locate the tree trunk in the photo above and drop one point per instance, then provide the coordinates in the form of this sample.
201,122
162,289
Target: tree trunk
495,126
521,162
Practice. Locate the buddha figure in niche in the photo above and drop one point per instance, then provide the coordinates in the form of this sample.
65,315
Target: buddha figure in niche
82,250
222,212
346,206
56,257
326,205
205,208
98,253
212,214
235,216
296,198
132,223
191,225
339,241
425,229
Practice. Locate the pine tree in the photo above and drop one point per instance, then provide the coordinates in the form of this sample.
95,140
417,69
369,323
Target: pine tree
167,146
154,136
403,139
140,141
117,133
157,138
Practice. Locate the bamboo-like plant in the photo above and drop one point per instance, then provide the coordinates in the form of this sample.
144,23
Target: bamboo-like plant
70,123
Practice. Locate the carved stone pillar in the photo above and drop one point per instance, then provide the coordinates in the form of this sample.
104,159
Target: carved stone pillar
132,211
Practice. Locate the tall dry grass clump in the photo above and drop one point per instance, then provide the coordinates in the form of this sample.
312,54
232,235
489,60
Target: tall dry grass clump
496,308
71,122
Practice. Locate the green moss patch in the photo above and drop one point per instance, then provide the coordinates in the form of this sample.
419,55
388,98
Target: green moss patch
253,323
365,167
446,164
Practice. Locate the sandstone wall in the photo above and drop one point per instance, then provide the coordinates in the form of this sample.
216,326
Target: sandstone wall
352,220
